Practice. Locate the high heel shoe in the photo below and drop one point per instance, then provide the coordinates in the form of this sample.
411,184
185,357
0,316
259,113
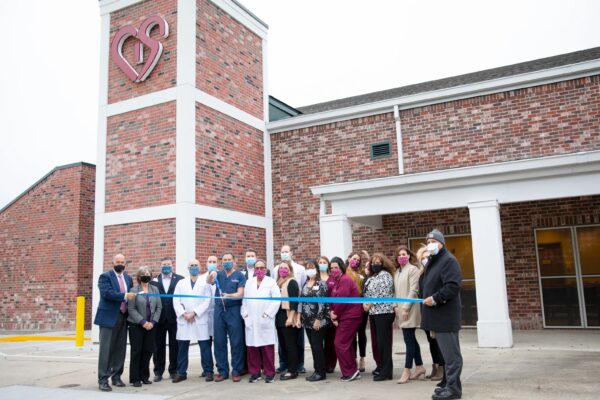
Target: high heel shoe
405,376
361,364
434,368
419,372
439,374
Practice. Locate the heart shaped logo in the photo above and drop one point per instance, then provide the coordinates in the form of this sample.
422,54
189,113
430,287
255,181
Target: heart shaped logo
143,35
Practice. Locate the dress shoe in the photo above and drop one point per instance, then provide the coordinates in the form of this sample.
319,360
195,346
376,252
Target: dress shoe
179,378
441,383
209,377
288,375
301,370
315,377
438,390
137,384
118,382
157,378
419,372
376,371
203,374
330,370
172,376
379,378
220,378
104,386
236,378
146,382
445,395
244,372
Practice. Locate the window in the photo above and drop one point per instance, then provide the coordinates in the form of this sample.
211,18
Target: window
462,248
569,272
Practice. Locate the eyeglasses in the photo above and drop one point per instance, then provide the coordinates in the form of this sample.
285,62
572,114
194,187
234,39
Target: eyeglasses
194,265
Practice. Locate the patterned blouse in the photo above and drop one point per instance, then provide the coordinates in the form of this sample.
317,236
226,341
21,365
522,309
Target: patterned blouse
309,312
380,285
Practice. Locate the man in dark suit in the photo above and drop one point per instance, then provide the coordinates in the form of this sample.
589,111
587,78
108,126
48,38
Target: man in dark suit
167,324
441,311
111,316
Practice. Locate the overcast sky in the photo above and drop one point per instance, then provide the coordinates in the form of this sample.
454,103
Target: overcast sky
319,50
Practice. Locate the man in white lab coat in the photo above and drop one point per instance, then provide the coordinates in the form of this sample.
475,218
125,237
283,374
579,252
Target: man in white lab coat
192,320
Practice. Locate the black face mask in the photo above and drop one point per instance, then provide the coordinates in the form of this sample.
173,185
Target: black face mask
145,278
119,268
376,268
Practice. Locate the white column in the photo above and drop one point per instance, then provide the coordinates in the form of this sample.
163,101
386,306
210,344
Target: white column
493,325
336,235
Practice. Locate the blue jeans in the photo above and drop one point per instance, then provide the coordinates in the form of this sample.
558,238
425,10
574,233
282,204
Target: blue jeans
206,359
283,357
229,322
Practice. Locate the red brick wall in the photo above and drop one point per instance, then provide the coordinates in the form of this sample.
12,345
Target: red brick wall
337,152
229,163
46,252
229,62
142,244
540,121
164,75
140,158
215,238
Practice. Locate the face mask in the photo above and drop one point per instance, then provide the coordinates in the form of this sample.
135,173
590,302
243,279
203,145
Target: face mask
166,269
260,273
323,267
228,264
250,261
336,273
119,268
376,268
354,263
425,261
311,273
286,256
284,273
145,278
432,248
211,267
194,271
402,260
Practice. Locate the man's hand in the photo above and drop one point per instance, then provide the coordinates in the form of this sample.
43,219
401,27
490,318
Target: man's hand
130,296
428,301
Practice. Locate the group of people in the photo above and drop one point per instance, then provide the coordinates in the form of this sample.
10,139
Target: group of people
215,305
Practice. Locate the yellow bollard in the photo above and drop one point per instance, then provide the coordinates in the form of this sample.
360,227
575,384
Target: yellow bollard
79,321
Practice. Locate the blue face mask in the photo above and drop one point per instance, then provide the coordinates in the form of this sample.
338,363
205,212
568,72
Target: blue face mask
211,267
323,267
250,261
166,269
228,264
195,270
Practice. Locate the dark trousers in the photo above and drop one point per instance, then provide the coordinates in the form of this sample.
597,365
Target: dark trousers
300,346
375,344
229,323
143,343
113,347
383,332
262,357
413,350
344,334
206,359
316,340
330,356
159,358
434,349
288,340
450,347
362,336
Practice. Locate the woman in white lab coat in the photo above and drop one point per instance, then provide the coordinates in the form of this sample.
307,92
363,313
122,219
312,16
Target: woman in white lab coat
259,318
192,321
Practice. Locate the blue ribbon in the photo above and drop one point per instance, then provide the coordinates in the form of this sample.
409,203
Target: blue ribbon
336,300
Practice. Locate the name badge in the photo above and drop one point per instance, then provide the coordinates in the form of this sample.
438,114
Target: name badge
235,281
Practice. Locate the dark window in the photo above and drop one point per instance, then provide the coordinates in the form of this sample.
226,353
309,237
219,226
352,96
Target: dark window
380,150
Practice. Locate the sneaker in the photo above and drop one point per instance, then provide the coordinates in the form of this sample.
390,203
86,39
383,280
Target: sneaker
254,378
269,379
355,375
301,370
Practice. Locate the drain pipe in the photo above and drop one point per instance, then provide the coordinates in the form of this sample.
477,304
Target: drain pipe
399,140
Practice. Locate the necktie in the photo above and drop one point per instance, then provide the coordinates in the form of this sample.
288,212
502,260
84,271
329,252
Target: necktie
122,288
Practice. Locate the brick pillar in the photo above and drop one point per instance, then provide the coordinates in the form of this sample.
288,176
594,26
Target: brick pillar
183,165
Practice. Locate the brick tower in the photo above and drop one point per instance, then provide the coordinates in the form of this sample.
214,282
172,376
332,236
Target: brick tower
184,165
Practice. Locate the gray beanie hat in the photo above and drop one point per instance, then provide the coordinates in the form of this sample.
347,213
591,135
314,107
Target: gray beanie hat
437,235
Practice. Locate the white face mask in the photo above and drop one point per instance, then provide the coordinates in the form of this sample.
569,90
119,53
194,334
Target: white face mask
285,256
432,248
311,273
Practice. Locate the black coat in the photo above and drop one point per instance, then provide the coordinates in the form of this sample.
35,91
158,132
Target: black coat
167,316
441,280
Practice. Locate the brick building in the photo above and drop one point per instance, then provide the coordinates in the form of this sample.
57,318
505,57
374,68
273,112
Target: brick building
46,245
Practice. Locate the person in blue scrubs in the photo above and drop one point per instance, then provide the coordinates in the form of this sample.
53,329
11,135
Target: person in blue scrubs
228,319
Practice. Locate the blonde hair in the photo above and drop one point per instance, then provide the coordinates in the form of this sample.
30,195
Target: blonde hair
420,253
